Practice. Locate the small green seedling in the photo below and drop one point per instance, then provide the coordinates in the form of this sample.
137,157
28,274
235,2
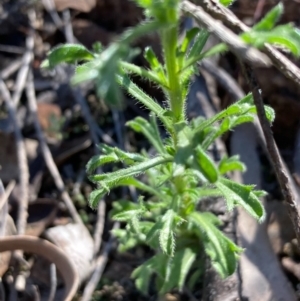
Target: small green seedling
182,173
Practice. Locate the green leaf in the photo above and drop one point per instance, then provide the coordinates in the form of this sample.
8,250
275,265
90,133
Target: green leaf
67,53
127,240
139,185
206,164
166,234
218,49
145,74
99,160
200,41
111,180
149,130
125,157
123,205
238,194
238,108
112,155
222,251
226,2
230,164
188,38
144,98
282,35
142,275
96,196
105,66
270,113
180,266
144,3
270,20
241,119
152,59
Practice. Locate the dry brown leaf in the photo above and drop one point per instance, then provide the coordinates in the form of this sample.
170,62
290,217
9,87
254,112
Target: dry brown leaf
84,6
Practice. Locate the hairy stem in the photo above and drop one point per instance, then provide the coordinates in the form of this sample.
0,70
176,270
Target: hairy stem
169,42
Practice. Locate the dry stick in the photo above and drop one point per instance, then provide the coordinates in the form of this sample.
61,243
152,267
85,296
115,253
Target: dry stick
22,160
11,68
99,227
23,72
234,42
50,7
32,104
9,188
279,167
281,62
99,268
53,282
259,8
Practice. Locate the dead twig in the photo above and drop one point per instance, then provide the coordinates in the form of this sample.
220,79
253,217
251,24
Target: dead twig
259,8
99,227
22,159
10,69
53,282
99,268
23,72
234,42
279,167
46,151
4,195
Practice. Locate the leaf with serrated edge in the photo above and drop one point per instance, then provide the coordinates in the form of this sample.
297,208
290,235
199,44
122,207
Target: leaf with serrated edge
166,234
238,194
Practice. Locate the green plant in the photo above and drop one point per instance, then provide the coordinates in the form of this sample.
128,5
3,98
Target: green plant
182,173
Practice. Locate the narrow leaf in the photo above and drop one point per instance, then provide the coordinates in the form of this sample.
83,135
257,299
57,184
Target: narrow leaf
67,53
99,160
200,41
230,164
222,251
180,266
206,164
270,20
149,130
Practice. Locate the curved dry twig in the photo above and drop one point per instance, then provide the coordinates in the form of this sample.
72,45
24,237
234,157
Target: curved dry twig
49,251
